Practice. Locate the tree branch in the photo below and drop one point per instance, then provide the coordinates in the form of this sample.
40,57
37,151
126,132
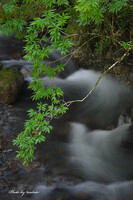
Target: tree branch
105,72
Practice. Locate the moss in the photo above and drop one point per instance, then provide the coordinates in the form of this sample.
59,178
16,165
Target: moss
10,83
7,76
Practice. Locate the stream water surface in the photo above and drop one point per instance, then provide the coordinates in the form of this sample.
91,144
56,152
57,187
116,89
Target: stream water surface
88,155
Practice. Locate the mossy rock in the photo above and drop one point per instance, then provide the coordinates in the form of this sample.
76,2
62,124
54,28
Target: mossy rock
11,82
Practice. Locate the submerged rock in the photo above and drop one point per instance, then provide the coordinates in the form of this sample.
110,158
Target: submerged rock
3,142
11,82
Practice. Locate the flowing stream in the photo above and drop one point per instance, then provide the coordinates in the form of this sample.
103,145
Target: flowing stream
88,155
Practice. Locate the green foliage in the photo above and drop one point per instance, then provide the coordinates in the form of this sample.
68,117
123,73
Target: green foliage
89,11
33,20
115,6
106,23
50,3
95,10
126,45
36,49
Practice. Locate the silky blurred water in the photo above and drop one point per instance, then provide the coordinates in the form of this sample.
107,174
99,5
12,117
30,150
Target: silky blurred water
89,154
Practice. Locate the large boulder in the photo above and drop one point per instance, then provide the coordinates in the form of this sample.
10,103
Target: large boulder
11,82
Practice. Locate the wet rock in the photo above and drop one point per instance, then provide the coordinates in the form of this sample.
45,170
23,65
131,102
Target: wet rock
4,186
2,165
10,48
21,187
3,142
32,165
10,106
1,122
17,67
11,82
82,196
12,165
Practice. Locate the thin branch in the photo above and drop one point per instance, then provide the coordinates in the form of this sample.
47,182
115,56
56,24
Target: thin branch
49,63
67,60
105,72
98,35
58,73
95,36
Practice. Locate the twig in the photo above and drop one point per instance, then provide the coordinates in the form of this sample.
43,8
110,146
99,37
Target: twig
105,72
68,59
49,63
